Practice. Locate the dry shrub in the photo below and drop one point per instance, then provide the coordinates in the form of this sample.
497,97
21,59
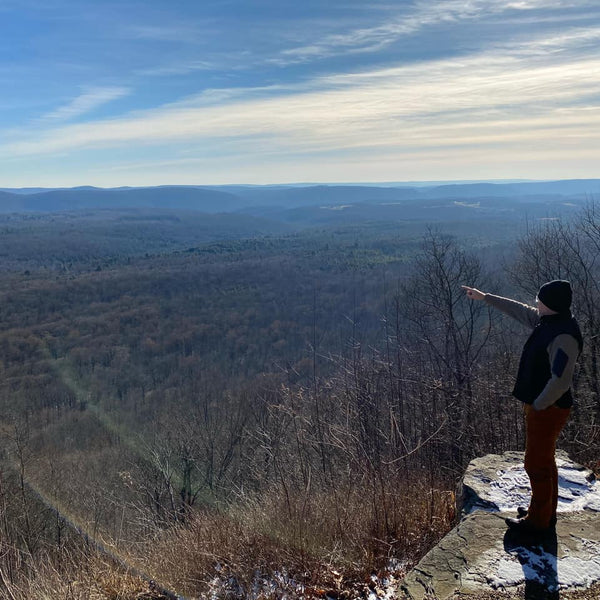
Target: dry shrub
316,541
74,574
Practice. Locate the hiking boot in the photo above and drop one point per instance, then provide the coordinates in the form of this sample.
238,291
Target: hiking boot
522,513
523,526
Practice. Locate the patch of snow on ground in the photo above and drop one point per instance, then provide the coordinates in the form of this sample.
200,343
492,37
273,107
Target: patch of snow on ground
578,571
535,564
381,586
508,573
511,489
576,492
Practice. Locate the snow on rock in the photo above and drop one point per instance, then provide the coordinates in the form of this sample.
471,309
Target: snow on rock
498,482
480,553
572,563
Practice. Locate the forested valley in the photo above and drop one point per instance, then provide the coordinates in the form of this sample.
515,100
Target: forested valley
214,407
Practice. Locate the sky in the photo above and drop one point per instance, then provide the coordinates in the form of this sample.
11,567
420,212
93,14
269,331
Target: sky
149,92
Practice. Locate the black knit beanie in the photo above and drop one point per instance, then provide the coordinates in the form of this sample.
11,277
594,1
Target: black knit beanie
556,295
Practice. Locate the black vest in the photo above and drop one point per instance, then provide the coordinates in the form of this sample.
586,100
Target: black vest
534,366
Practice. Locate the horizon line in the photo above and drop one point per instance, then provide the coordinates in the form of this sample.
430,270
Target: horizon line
416,183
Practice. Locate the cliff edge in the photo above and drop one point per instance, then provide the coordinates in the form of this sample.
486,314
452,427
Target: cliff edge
480,555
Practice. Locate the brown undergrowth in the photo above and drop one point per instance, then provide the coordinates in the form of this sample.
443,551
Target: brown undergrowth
75,573
345,542
304,546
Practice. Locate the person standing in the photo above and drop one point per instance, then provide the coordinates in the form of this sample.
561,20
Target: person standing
543,384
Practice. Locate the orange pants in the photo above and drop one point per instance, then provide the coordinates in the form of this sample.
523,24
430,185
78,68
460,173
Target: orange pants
542,429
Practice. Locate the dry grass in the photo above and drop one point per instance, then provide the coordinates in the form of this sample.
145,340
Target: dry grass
75,574
323,542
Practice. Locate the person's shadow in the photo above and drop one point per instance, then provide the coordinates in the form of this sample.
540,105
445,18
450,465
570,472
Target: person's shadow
538,557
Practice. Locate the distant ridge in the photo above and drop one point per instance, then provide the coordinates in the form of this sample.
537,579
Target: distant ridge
230,198
562,187
180,198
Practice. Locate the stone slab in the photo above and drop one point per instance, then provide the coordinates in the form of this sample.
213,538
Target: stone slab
480,554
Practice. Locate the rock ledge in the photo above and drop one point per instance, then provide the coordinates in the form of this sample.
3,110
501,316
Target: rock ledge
480,555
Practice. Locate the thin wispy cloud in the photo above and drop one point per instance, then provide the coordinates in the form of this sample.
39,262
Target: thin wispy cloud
179,68
162,33
504,97
576,39
86,102
422,15
191,32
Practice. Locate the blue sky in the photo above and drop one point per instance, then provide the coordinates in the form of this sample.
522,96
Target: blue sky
206,92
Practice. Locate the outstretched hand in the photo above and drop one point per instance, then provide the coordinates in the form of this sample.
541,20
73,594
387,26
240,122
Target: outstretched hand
473,293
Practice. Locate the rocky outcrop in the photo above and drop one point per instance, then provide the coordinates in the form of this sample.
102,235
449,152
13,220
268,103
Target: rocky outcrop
498,482
480,554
